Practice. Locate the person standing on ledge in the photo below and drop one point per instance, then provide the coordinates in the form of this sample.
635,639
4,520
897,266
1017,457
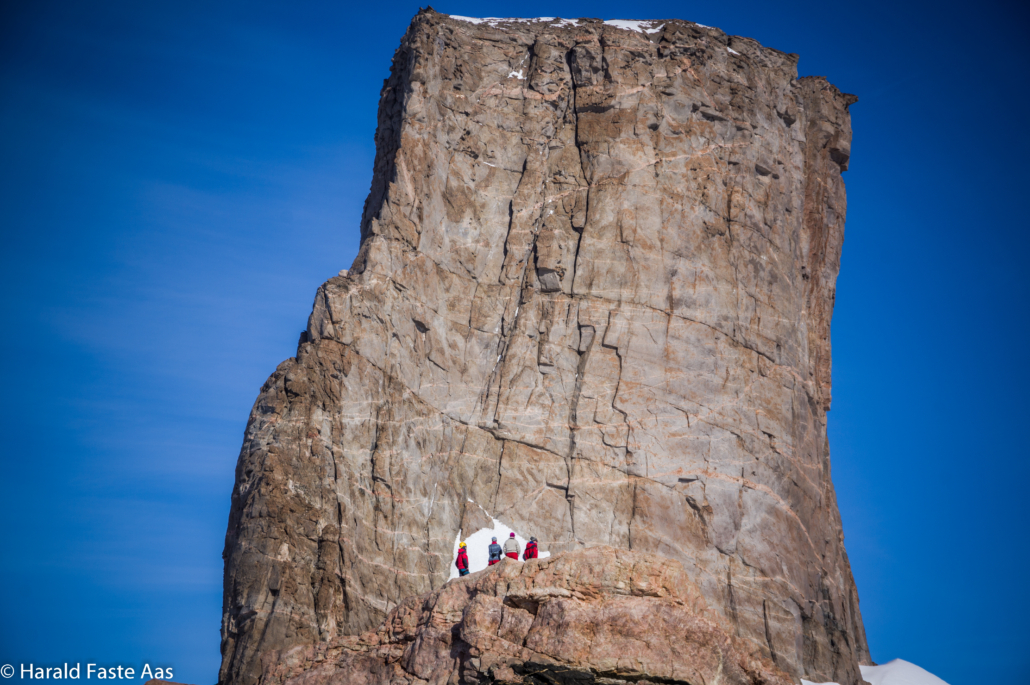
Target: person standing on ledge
531,551
462,562
511,547
495,552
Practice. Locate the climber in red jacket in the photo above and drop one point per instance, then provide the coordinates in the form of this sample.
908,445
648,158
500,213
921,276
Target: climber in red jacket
462,562
531,550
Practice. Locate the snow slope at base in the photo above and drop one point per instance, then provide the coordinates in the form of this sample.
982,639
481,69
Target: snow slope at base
897,672
479,543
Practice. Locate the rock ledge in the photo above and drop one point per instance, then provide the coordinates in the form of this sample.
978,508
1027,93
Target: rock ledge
600,615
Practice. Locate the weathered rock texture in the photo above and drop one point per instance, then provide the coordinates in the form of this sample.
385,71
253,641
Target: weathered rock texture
593,296
594,615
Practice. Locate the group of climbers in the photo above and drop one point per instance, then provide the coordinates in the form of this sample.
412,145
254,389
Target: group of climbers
510,549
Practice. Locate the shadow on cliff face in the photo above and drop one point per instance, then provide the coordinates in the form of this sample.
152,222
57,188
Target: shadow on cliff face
544,674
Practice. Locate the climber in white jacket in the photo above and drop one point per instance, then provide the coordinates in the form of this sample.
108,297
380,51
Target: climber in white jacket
511,547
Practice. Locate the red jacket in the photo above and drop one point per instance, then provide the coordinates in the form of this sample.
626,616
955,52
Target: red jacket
462,562
530,552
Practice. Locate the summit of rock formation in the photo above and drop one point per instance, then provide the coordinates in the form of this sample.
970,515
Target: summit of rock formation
592,301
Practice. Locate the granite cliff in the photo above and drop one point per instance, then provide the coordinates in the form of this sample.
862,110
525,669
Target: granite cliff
592,300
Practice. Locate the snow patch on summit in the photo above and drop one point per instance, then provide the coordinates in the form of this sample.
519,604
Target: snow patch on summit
635,25
494,21
644,26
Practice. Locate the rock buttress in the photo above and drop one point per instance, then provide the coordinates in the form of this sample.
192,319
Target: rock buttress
598,615
593,297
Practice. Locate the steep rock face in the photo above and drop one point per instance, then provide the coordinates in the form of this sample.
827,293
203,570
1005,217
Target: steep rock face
593,297
595,615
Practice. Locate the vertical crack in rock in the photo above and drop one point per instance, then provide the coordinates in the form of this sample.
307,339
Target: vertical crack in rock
586,343
594,290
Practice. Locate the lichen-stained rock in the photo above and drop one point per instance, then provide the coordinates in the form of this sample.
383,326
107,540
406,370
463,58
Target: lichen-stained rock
599,615
593,297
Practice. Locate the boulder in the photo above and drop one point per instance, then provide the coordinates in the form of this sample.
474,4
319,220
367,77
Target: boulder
600,615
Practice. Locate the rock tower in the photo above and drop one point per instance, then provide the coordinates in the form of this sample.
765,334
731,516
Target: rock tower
593,301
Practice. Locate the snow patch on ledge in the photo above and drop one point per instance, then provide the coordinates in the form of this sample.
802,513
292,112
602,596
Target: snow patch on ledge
479,542
732,51
634,25
517,74
897,672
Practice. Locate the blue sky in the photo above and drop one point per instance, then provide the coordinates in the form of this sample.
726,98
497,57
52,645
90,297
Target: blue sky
179,178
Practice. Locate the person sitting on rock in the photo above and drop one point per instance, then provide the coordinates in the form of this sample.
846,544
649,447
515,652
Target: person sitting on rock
511,547
531,551
495,552
462,562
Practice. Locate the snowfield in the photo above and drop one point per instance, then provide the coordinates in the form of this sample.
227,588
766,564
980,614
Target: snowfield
897,672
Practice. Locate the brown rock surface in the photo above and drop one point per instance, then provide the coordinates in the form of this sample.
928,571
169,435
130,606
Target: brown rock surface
595,615
593,296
